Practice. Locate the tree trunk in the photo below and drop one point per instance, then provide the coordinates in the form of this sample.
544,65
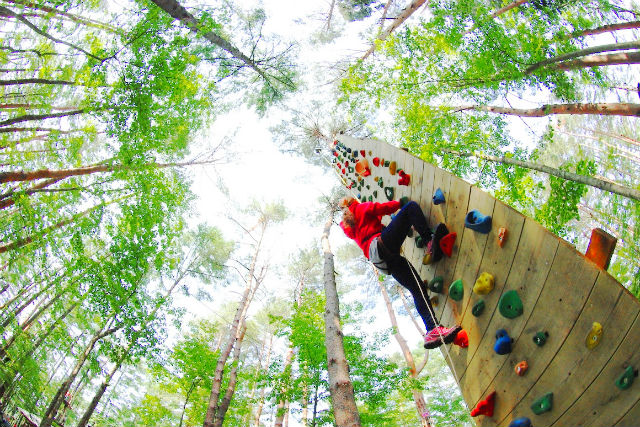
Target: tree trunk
256,419
584,52
34,117
282,402
418,397
233,378
624,58
6,200
569,176
406,13
179,13
609,109
252,285
14,82
194,383
609,28
340,386
508,8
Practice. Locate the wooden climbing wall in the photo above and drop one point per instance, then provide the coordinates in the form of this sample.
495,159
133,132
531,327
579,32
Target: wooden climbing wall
562,295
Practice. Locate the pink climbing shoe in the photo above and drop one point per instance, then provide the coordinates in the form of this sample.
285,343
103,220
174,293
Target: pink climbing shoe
437,335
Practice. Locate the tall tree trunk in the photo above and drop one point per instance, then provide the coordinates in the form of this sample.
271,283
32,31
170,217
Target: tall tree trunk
35,117
256,419
583,52
194,383
179,13
340,386
624,58
14,82
233,378
569,176
282,402
406,13
508,7
608,109
609,28
252,285
6,200
418,397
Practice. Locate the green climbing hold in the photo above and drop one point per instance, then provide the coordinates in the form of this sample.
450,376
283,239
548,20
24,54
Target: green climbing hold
540,338
368,187
350,168
370,198
436,284
456,290
420,243
389,192
386,163
478,308
625,380
380,183
510,305
543,404
375,193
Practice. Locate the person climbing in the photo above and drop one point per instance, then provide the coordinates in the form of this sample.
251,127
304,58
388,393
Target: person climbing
361,222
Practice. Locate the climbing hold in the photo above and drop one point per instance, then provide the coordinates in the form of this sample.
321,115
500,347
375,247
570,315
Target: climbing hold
389,192
346,164
456,290
594,336
446,243
540,338
348,150
503,342
478,222
362,153
625,380
387,163
462,339
370,199
350,169
368,187
426,259
362,167
343,171
375,193
404,179
404,200
420,242
355,154
436,284
335,142
502,236
369,152
359,196
484,284
478,308
380,183
392,168
543,404
434,300
485,407
521,368
521,422
438,197
510,304
376,161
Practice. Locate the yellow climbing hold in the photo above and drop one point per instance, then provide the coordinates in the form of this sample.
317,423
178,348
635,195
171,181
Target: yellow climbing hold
392,168
426,260
484,284
593,338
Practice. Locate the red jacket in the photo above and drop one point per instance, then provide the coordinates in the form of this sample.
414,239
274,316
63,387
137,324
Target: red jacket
368,224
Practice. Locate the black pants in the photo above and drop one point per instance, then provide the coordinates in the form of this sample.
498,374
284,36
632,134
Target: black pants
393,235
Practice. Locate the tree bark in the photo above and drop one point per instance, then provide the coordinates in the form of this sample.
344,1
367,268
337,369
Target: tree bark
584,52
508,8
233,378
406,13
609,109
194,383
609,28
14,82
34,117
340,386
256,419
569,176
624,58
282,402
418,397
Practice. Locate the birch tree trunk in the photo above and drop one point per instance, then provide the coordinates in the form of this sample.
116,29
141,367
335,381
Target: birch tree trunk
340,386
256,420
608,109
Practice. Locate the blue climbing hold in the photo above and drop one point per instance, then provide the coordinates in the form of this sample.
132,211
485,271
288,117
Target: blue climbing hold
521,422
503,342
438,197
478,222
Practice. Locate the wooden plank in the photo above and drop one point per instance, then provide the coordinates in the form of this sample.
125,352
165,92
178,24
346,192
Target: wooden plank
472,250
426,205
575,366
457,200
565,291
414,168
631,418
603,404
497,261
534,256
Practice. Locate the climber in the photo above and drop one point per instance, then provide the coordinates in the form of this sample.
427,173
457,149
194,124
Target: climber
381,245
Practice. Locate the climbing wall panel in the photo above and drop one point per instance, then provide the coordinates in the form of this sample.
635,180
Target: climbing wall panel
571,376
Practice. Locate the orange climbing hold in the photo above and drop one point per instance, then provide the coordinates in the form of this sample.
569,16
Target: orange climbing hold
392,168
362,167
447,242
521,368
502,236
462,339
485,407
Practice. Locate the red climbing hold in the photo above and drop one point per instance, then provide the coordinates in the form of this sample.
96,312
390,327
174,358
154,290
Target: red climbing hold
462,339
335,142
343,171
404,178
362,153
485,407
376,161
346,164
446,243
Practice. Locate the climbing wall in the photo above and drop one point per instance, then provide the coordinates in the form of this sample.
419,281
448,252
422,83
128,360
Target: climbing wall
553,340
